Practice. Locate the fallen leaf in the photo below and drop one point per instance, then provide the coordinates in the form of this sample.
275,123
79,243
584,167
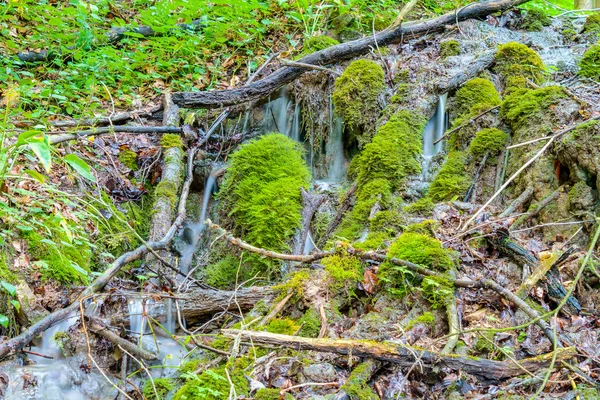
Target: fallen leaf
370,281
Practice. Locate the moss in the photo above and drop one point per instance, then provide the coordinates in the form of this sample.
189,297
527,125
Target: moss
382,167
451,180
535,20
295,283
171,140
581,197
260,196
476,95
129,159
213,384
401,94
349,34
449,48
271,394
163,387
311,324
316,43
190,366
345,272
388,221
522,105
374,241
427,227
484,343
422,206
357,386
517,63
437,290
592,23
224,273
589,66
59,257
167,189
355,98
284,326
490,140
426,318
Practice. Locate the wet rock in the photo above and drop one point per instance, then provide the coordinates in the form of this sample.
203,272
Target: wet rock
323,372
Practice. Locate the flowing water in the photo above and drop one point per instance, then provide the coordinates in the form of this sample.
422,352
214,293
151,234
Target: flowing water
434,130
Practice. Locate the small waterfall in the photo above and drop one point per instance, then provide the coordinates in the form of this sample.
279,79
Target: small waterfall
282,117
336,162
295,129
435,128
137,320
192,232
309,244
49,345
170,324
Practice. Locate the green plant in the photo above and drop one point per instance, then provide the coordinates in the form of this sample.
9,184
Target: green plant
451,180
490,140
517,63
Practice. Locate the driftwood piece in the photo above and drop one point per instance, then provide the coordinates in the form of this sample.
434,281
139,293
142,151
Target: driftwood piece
337,53
172,171
406,356
310,204
100,328
346,203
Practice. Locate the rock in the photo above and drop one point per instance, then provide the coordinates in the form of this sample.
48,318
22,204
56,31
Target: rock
323,372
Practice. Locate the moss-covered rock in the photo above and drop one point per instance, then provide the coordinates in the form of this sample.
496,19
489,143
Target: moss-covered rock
344,272
271,394
475,96
260,196
452,179
129,159
423,250
423,206
578,150
490,140
535,20
524,105
449,48
517,63
162,385
213,384
310,324
171,140
592,23
581,197
355,98
357,386
427,227
426,318
589,65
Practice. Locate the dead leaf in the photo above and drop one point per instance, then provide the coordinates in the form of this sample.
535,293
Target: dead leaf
370,281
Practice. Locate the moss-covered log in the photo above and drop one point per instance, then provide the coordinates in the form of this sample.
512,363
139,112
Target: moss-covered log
406,356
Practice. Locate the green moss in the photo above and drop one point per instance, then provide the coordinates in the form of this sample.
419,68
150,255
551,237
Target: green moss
484,343
401,94
388,221
271,394
451,180
171,140
592,23
129,159
213,384
476,95
167,189
355,98
490,140
535,20
190,366
449,48
422,206
357,386
589,66
316,43
163,387
260,196
224,273
311,324
345,272
423,250
284,326
374,241
427,227
438,290
517,63
522,105
295,283
426,318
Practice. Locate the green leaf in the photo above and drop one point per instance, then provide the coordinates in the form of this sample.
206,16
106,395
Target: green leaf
16,305
80,166
4,320
35,175
42,151
10,289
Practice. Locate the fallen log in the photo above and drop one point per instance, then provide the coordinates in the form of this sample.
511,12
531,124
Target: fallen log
65,137
337,53
406,356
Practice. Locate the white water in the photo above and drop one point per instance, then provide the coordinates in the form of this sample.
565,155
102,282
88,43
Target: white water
336,162
435,128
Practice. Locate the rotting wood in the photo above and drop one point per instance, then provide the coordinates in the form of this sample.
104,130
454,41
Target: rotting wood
368,368
98,327
337,53
405,356
346,204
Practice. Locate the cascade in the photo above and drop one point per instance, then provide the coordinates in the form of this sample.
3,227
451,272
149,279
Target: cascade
336,162
435,128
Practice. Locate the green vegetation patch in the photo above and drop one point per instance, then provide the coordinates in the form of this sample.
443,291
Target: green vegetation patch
426,318
171,140
535,20
129,159
271,394
212,384
357,386
355,97
310,324
517,63
345,271
524,105
163,387
423,250
452,179
449,48
316,43
490,140
475,96
589,65
592,23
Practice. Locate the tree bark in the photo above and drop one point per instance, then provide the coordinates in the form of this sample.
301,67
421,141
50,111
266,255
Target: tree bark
406,356
340,52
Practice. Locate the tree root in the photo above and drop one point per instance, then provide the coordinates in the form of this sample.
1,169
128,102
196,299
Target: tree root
406,356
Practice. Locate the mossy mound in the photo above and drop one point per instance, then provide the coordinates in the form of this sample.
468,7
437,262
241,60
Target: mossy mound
382,167
163,387
524,106
422,206
452,179
283,326
581,197
427,227
536,20
260,195
517,63
224,273
213,384
592,23
316,43
357,386
475,96
490,140
310,324
129,159
344,272
426,318
171,140
589,65
449,48
271,394
355,98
